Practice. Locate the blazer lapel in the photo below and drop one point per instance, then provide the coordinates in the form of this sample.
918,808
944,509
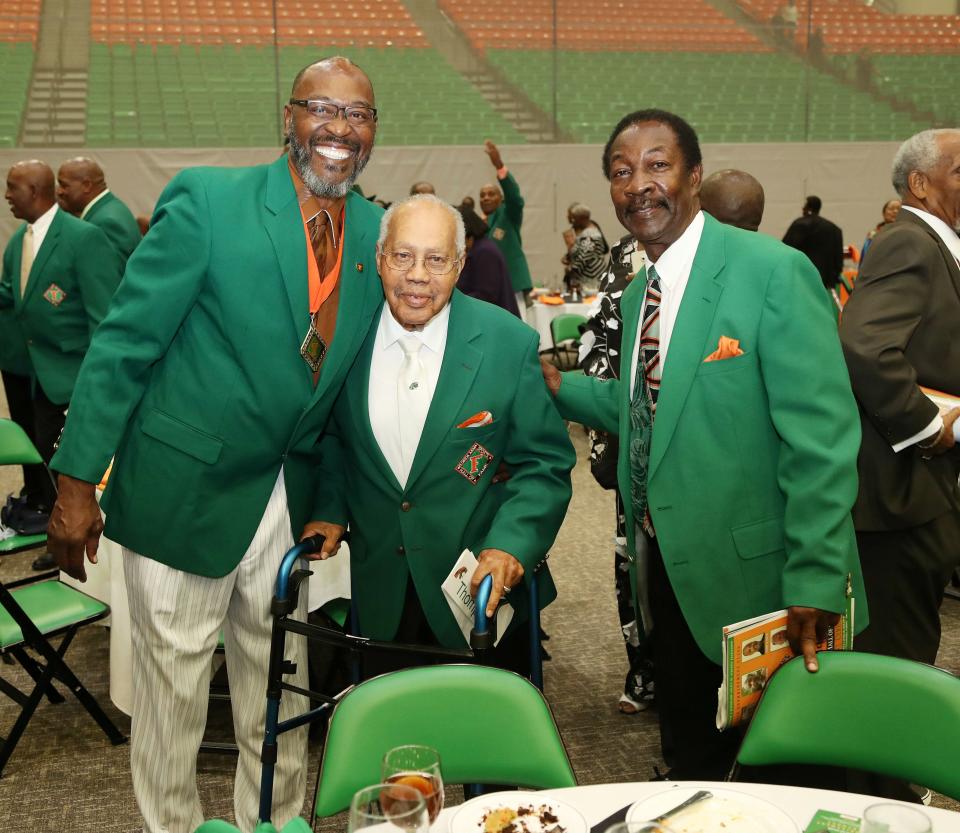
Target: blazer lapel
50,241
952,267
688,339
284,225
461,361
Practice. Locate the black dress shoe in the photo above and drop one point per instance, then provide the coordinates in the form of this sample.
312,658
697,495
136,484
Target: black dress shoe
44,562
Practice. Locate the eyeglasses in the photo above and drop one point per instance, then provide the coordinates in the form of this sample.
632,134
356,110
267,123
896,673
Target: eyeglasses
324,111
404,261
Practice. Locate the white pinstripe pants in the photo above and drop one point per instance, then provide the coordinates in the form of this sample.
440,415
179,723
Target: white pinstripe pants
175,620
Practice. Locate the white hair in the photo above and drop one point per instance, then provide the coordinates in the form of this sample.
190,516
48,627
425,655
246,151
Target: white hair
578,209
460,234
919,153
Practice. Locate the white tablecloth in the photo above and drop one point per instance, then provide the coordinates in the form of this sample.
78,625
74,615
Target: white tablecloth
540,315
330,580
600,801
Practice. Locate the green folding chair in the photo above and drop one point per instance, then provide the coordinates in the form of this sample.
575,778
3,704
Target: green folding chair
565,332
490,727
31,612
296,825
881,714
17,450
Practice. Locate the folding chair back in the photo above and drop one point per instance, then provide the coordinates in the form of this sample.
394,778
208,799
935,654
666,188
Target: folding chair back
17,450
566,328
31,611
882,714
490,727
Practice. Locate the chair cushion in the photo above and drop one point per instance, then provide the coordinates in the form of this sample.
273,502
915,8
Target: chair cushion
50,605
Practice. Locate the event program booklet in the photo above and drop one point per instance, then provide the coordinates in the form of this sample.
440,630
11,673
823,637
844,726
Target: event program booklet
456,588
826,821
754,649
945,402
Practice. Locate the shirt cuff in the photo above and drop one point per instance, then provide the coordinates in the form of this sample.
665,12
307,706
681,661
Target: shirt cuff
930,431
502,172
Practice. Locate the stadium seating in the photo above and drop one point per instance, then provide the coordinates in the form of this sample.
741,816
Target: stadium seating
929,81
226,95
727,97
19,25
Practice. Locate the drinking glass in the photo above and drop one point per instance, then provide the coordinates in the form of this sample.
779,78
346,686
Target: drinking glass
395,806
894,818
639,827
417,767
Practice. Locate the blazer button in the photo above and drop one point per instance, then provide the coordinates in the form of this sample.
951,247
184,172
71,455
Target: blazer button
401,551
406,506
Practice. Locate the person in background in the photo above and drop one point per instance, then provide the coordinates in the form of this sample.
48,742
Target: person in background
82,191
820,240
422,187
890,210
502,205
585,256
484,274
733,197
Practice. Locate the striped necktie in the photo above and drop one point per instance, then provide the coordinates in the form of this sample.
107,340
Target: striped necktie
643,401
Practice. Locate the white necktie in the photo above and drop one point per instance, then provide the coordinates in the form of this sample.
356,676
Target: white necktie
26,259
413,402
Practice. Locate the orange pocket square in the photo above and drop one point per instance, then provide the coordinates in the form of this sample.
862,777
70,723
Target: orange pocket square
726,349
477,420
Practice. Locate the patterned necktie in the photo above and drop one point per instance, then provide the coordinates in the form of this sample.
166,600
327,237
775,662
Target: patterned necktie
643,401
412,402
26,259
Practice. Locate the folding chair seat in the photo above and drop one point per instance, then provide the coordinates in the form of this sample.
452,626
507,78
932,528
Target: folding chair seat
32,611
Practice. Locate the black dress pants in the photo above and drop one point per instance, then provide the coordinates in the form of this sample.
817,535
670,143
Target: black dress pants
48,420
20,401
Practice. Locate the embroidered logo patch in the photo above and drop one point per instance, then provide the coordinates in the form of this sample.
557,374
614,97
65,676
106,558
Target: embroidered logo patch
498,234
474,463
54,294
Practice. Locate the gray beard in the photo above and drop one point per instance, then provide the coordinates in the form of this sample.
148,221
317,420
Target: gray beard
316,184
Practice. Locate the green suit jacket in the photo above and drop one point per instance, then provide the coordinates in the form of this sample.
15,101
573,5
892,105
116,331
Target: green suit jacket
504,225
752,470
195,379
74,275
111,215
489,364
14,357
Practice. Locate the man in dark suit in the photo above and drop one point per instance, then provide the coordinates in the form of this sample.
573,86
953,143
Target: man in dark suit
58,277
424,420
210,382
900,332
82,190
820,240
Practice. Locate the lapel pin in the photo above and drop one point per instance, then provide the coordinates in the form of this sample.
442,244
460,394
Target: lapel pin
359,267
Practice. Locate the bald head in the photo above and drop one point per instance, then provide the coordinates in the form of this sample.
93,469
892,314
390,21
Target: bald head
79,181
30,190
733,197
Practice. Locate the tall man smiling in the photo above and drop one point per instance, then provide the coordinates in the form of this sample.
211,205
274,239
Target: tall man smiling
211,381
737,464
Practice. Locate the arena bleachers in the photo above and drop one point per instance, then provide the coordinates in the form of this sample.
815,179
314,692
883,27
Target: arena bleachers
727,97
929,81
19,24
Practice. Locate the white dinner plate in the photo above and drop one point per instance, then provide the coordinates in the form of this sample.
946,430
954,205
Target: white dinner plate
728,811
470,816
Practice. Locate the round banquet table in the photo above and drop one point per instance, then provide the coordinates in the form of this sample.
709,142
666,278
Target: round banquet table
540,315
600,801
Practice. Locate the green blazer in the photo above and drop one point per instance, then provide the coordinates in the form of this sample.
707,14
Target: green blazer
74,275
195,380
489,364
111,215
752,471
504,225
14,357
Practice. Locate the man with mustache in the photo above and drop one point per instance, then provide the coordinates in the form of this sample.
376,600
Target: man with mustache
210,383
737,464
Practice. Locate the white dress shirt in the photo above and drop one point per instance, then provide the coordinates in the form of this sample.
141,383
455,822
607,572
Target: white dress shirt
952,242
385,369
673,267
41,226
93,202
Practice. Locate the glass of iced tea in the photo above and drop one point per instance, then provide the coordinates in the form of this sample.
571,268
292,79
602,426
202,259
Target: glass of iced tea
388,807
417,767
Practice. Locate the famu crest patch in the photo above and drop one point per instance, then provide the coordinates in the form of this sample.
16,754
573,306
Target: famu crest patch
474,463
54,294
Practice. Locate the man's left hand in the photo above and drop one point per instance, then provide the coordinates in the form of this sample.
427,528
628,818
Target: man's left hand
506,572
332,534
807,626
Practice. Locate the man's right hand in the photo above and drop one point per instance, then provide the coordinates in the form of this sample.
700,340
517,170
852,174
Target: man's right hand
75,526
551,376
945,439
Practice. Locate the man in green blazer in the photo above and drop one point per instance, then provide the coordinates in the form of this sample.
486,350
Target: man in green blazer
82,190
59,275
503,206
210,383
421,439
738,496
